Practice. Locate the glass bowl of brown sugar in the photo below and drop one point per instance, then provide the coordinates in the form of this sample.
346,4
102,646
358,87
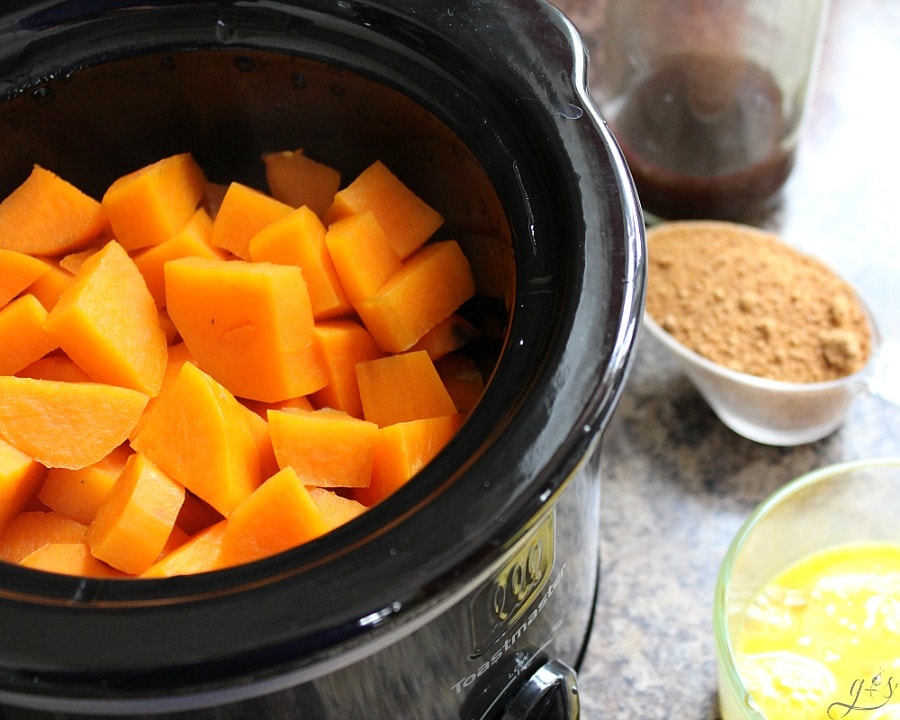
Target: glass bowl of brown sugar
774,340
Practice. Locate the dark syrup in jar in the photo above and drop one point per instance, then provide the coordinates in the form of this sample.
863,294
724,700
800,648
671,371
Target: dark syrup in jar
704,138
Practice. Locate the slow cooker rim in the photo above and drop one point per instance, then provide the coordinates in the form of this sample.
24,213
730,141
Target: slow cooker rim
606,389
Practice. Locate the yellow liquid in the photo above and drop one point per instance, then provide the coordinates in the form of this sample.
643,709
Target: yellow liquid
822,640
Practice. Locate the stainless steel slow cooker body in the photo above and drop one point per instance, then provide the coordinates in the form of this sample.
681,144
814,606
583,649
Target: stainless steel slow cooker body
470,592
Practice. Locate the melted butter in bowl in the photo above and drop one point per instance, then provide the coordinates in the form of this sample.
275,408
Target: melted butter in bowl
806,612
825,633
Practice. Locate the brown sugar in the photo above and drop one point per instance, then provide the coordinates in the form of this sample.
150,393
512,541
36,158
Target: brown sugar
743,299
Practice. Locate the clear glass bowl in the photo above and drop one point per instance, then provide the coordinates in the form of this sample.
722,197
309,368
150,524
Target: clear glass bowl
772,412
840,504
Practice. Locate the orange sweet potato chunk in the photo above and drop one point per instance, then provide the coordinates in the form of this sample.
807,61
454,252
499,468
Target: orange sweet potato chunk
402,387
176,539
326,448
196,515
17,272
55,366
23,339
50,285
200,553
343,343
402,450
406,219
259,428
243,213
430,286
66,424
20,478
278,516
191,241
69,558
107,322
212,199
296,404
298,180
362,255
47,215
135,520
249,325
462,378
149,205
78,494
32,529
299,239
73,261
197,433
336,509
178,355
450,334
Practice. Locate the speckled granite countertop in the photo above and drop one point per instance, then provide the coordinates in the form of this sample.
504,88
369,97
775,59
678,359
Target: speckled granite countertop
677,483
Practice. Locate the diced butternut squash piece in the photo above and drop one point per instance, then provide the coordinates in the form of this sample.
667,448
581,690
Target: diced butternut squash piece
336,509
168,327
78,494
402,387
462,378
69,558
431,285
299,239
196,515
50,285
406,219
197,433
176,539
178,355
65,424
47,215
343,343
259,428
451,333
243,213
34,502
362,255
20,478
17,272
249,325
212,199
23,339
296,404
278,516
135,520
191,241
107,322
149,205
402,450
55,366
326,448
199,554
298,180
73,261
28,531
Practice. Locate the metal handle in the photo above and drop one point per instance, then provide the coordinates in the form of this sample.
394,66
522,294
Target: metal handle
549,694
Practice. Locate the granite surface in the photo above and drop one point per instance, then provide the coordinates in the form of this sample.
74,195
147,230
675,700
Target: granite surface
677,483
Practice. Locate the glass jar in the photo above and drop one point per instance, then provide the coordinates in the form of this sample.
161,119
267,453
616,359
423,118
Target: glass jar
706,98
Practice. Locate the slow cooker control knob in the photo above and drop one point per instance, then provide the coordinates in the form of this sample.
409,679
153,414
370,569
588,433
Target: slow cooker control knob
550,693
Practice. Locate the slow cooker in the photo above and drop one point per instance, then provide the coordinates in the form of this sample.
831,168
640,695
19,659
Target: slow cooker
470,592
